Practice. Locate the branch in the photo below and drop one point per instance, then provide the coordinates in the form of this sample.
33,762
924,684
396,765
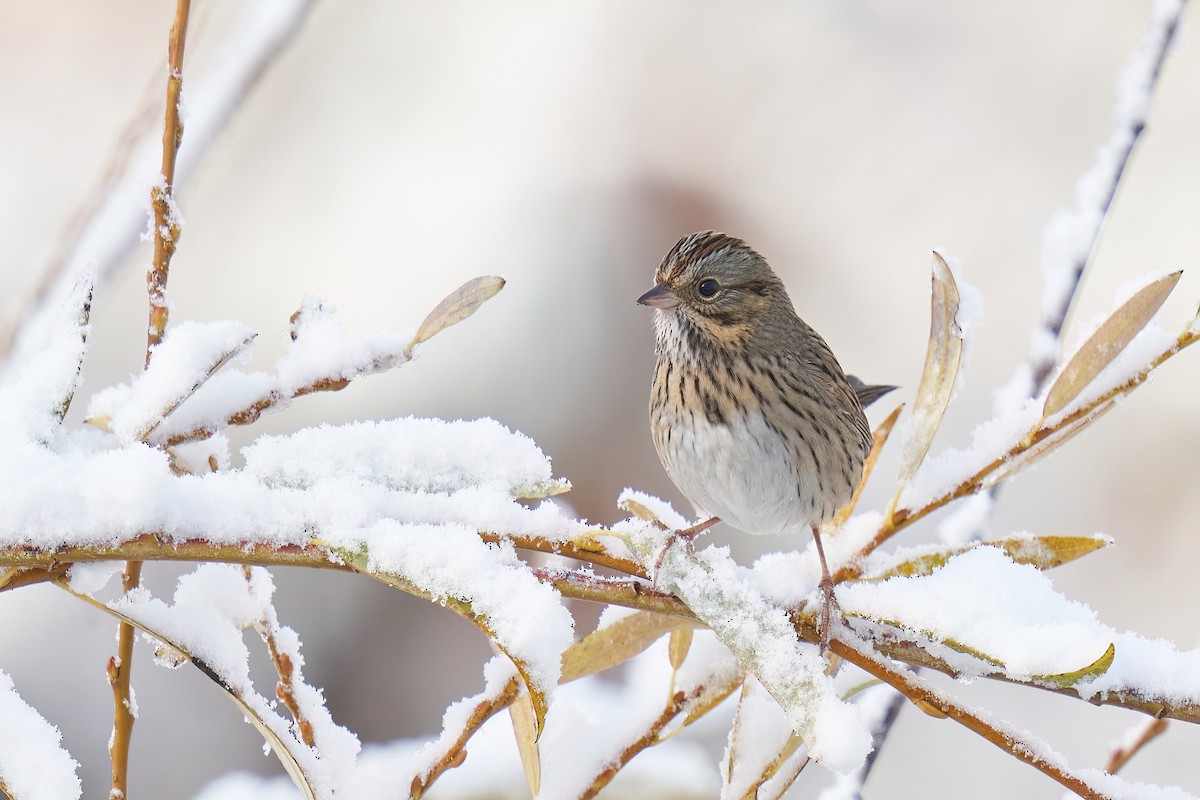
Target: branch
1135,740
162,196
124,707
931,702
38,566
112,220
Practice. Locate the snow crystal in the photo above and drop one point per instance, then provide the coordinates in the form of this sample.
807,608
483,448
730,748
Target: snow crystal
33,763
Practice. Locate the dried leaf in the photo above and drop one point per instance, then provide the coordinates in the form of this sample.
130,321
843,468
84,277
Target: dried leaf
457,306
540,491
680,643
880,439
1109,340
617,643
525,728
1093,670
1043,552
942,360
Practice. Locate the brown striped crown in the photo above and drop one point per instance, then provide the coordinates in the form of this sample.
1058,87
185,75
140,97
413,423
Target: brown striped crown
695,247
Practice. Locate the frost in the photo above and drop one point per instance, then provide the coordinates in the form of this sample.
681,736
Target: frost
33,763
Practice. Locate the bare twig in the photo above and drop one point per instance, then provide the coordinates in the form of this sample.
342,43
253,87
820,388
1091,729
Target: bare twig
1140,80
124,710
109,228
1143,734
286,670
166,231
936,704
162,196
456,752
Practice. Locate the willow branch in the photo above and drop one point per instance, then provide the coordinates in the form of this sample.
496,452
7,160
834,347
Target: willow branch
935,704
119,669
34,566
1066,425
162,196
1145,733
456,752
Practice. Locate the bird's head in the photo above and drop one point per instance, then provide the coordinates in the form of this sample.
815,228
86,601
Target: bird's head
719,285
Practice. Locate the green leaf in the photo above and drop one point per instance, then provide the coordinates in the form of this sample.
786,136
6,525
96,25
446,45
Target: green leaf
1091,671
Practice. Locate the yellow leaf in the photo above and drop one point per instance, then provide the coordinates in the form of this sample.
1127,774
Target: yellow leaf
525,728
1043,552
880,439
617,643
457,306
1109,340
681,642
942,359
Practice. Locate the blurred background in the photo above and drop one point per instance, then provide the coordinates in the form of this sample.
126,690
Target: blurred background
396,149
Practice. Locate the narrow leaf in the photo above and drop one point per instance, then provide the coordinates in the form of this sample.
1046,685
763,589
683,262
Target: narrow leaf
1043,552
942,359
525,728
1109,340
1093,670
680,643
617,643
880,439
457,306
279,746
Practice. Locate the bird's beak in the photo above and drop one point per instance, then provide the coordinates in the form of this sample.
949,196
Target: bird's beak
659,297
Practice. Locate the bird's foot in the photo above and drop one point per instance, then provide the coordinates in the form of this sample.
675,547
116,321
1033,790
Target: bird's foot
828,606
688,535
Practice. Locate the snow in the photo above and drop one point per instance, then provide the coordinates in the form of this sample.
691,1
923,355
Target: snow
1071,235
758,736
211,608
185,358
761,635
523,615
33,763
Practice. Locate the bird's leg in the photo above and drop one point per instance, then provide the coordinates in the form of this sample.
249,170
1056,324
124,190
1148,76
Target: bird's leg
830,603
686,534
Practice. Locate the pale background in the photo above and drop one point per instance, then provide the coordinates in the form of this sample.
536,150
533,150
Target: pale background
400,148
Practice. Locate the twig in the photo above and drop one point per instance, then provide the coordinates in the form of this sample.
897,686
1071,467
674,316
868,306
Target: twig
932,702
1066,425
40,566
455,753
1142,735
166,231
286,670
110,227
162,196
124,712
1135,92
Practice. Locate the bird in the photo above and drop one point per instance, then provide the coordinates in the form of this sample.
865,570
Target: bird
752,417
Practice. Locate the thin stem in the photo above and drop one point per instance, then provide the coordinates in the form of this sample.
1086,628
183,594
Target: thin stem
162,200
119,669
935,704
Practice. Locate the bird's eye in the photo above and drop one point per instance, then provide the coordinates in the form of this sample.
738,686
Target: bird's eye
708,288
